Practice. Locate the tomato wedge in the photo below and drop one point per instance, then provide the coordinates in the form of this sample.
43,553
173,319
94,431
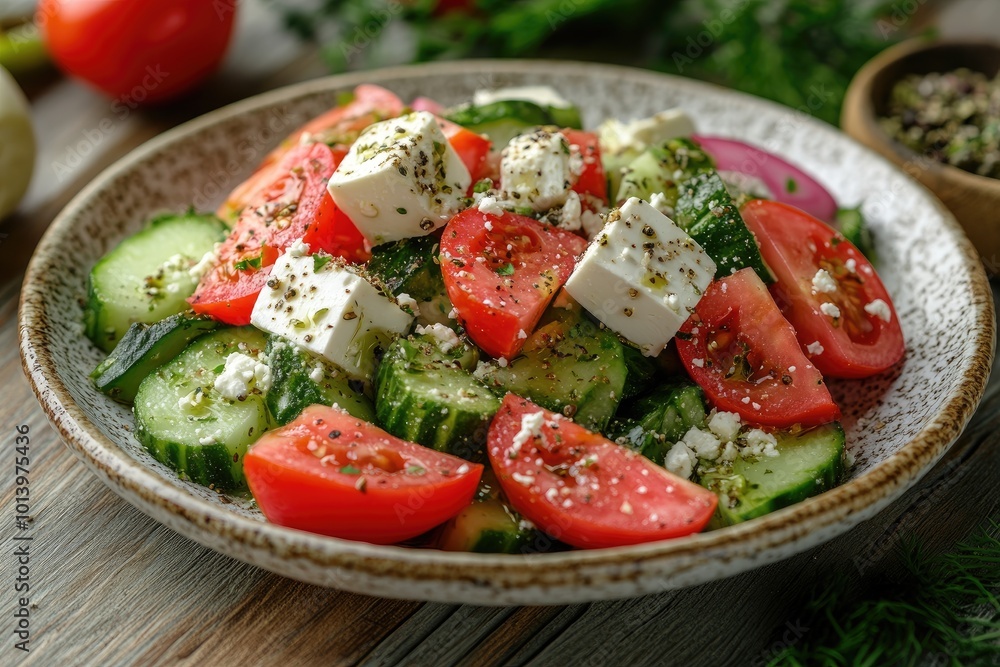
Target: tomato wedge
585,490
472,148
278,216
592,180
501,271
844,319
330,473
338,128
744,354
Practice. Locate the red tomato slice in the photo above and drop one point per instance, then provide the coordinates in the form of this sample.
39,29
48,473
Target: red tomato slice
592,180
334,233
586,490
333,474
857,342
501,272
743,353
471,147
278,216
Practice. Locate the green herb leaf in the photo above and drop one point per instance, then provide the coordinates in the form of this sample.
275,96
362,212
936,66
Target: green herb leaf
415,470
319,261
350,470
401,210
506,270
483,186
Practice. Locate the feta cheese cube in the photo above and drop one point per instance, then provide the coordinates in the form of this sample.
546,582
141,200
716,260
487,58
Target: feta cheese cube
642,276
400,179
330,311
539,169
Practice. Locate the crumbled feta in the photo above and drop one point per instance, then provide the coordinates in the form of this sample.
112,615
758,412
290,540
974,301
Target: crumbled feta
445,338
815,348
680,460
240,375
525,480
298,249
830,309
729,453
191,400
591,222
531,428
851,265
705,445
823,283
490,206
879,309
725,425
317,373
406,301
760,443
570,217
205,264
659,202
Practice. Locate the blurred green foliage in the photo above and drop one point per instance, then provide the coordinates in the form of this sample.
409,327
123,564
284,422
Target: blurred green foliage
801,53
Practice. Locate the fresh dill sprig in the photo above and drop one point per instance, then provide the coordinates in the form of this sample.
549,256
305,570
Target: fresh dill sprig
943,609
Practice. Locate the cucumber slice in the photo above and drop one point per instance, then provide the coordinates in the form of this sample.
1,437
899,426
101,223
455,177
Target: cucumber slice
661,169
146,278
569,365
641,371
707,213
143,349
427,395
411,267
206,439
566,117
855,229
300,379
652,424
503,120
808,463
486,526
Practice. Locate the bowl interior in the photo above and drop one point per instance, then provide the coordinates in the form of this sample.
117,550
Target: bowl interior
927,265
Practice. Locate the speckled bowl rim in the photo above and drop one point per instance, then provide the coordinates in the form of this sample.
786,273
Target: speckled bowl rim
577,575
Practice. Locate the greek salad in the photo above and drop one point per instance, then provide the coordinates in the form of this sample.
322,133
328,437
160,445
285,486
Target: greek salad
484,328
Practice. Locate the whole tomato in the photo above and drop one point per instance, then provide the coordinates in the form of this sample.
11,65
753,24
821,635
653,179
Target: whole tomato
138,51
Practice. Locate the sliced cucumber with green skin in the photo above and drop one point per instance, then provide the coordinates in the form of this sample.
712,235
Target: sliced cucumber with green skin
428,396
411,267
661,169
487,525
642,371
855,229
143,349
300,379
808,463
707,213
652,424
502,121
569,365
187,425
146,277
566,117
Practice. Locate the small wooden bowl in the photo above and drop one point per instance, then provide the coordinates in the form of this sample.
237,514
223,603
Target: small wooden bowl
974,199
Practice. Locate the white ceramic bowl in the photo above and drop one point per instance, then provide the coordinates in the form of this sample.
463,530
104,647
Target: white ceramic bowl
911,415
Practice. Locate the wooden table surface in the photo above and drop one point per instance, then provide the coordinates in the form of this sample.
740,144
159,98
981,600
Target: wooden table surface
110,586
